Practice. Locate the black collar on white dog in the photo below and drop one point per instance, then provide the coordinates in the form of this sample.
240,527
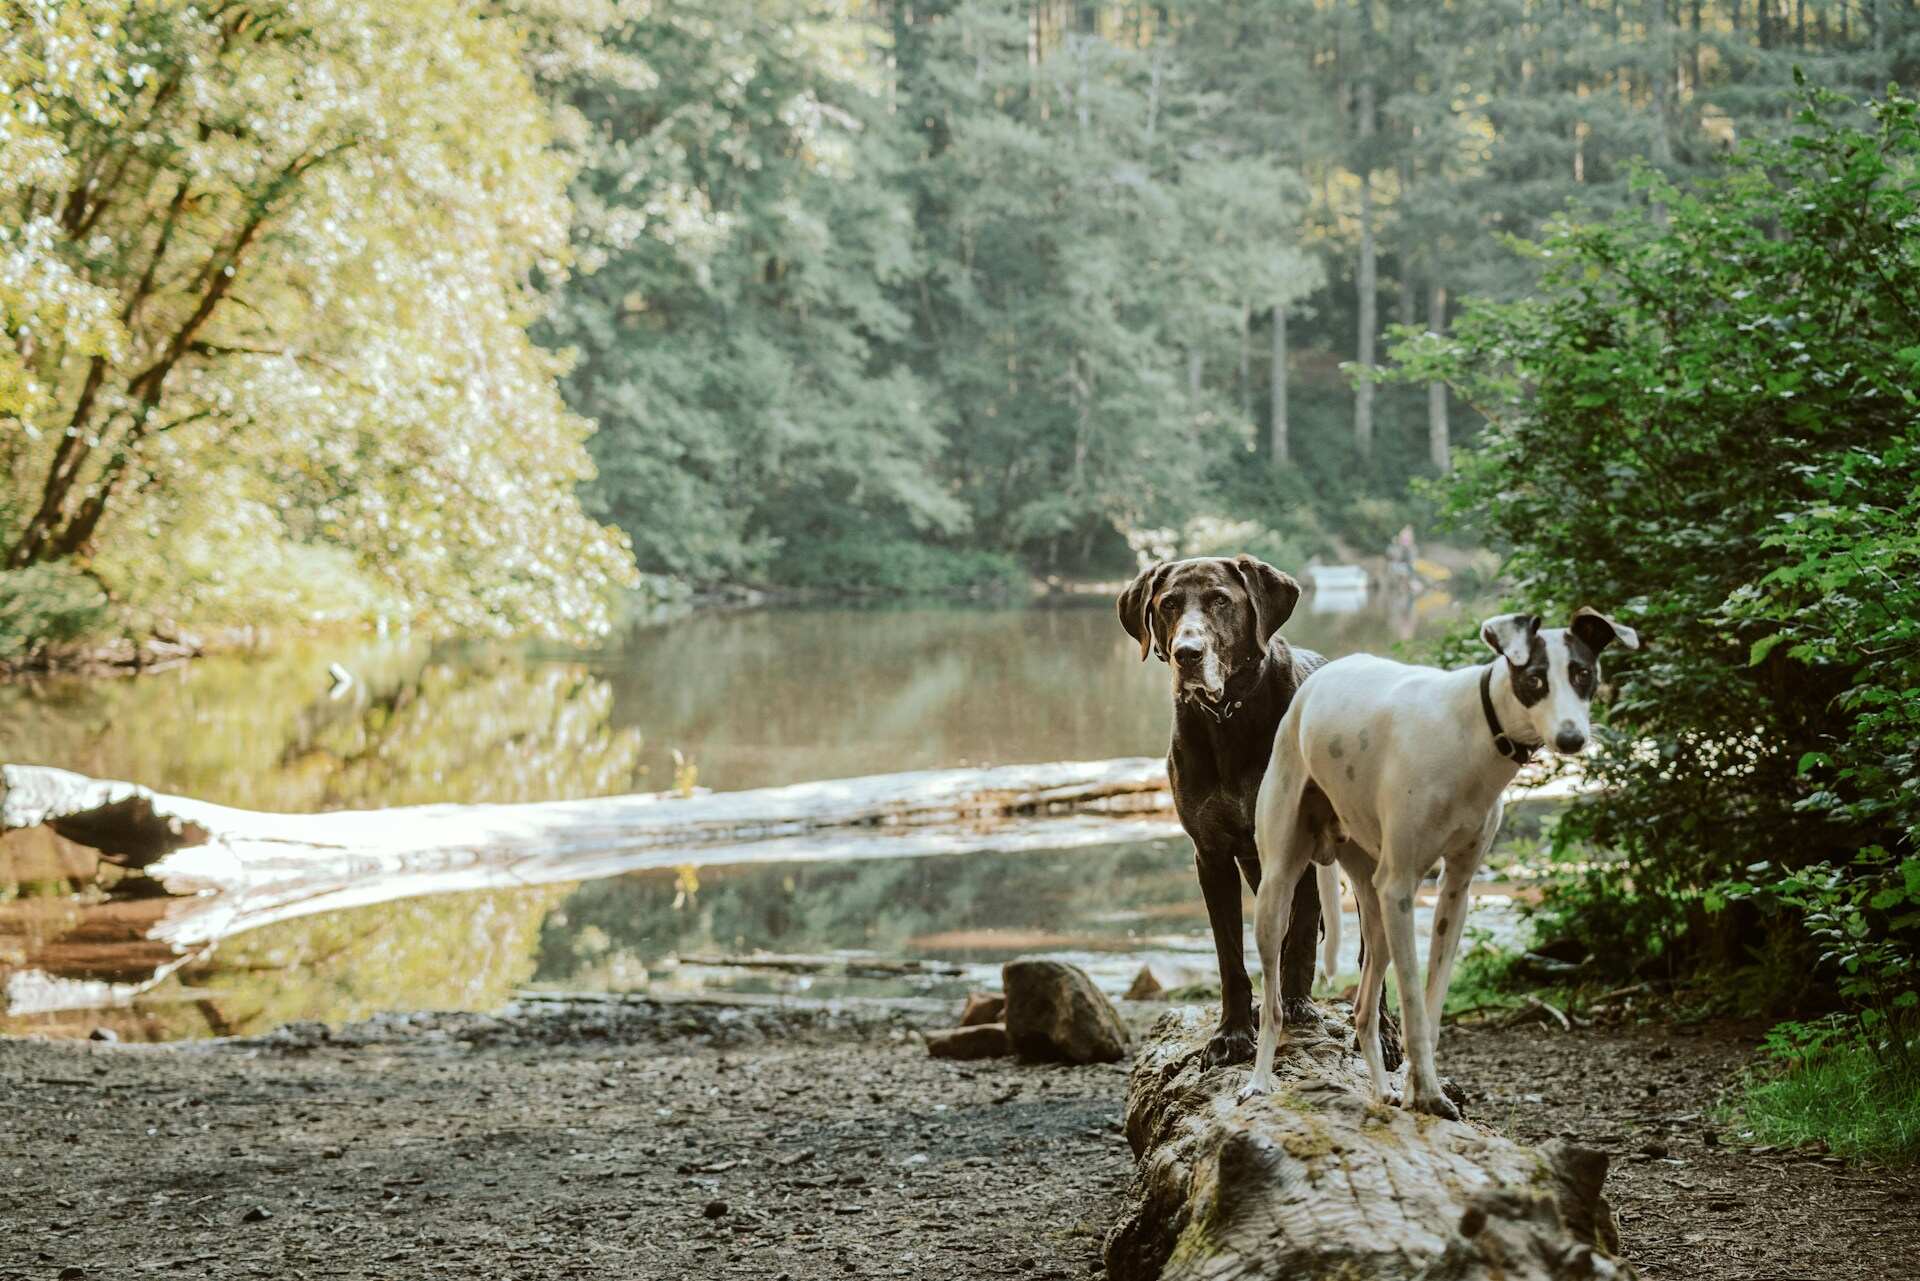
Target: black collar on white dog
1502,741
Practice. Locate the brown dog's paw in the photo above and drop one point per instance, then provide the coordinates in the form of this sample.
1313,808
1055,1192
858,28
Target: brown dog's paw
1299,1011
1228,1046
1392,1053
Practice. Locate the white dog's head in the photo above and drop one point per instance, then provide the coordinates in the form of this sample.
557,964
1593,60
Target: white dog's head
1555,672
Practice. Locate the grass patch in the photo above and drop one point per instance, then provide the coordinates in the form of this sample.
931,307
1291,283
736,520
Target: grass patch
1859,1103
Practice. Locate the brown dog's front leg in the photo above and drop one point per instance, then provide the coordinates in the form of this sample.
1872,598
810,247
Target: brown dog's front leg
1297,956
1220,885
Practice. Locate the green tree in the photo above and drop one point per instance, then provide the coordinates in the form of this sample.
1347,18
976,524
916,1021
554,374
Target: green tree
266,280
742,240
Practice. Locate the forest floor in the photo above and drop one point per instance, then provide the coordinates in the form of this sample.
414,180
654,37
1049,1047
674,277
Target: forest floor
643,1140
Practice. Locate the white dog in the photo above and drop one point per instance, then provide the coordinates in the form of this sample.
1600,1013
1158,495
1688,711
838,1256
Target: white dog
1390,769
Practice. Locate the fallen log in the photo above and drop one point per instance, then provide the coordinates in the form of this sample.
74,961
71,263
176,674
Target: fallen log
247,869
1316,1181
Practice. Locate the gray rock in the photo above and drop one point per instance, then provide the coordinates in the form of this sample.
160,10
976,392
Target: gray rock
1056,1014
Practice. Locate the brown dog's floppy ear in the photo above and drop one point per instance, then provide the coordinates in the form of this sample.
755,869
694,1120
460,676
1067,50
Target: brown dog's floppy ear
1274,595
1511,636
1136,607
1595,630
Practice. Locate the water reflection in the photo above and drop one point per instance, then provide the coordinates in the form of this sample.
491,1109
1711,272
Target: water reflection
745,700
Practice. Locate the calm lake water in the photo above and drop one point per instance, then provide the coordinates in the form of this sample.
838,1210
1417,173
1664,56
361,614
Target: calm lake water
721,700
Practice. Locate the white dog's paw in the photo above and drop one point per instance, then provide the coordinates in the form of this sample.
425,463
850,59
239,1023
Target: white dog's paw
1258,1086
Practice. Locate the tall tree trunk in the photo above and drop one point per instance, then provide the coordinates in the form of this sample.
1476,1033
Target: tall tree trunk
1246,361
1279,446
1439,435
1693,55
67,460
1662,84
1404,313
1366,281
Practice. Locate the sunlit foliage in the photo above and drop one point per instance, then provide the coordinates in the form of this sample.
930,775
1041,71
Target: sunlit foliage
266,272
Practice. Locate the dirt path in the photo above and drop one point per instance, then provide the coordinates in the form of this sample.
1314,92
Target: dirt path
1694,1204
642,1141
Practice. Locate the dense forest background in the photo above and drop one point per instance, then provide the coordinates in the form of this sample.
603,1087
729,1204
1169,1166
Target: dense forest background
909,293
463,314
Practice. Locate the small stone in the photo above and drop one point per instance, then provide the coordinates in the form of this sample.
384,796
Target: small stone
258,1214
73,1274
716,1210
1655,1149
1145,986
983,1007
983,1041
103,1034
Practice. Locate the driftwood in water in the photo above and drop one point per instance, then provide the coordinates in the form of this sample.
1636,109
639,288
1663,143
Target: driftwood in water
856,965
1316,1181
252,869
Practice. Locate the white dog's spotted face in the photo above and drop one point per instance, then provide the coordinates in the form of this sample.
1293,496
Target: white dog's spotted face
1554,672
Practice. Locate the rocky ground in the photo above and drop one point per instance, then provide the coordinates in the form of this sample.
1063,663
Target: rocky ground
648,1140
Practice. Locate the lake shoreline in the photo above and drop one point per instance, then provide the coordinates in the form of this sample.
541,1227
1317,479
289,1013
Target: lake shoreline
142,652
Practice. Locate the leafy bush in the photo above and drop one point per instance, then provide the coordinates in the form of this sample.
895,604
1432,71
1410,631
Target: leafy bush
860,567
1706,423
46,605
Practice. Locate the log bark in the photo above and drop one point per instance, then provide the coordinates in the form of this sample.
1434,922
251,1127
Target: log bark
1316,1181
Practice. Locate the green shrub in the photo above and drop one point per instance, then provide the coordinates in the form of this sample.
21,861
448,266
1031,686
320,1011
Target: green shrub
900,567
46,605
1705,422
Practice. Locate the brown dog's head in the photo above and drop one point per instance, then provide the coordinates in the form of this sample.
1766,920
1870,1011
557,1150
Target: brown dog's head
1209,617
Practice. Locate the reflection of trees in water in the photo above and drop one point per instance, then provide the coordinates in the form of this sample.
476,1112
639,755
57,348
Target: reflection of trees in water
781,696
491,728
474,726
454,952
467,724
882,905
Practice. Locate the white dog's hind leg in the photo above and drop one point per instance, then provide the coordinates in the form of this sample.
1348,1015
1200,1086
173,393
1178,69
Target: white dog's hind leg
1285,850
1396,882
1328,875
1373,969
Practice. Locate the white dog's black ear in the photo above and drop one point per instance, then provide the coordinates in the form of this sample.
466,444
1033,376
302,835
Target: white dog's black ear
1136,607
1511,636
1595,630
1273,593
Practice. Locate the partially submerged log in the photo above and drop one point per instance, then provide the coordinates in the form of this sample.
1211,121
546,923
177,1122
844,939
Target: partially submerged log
1316,1181
250,869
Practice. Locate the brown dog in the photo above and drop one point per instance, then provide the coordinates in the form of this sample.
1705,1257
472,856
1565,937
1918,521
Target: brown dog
1217,623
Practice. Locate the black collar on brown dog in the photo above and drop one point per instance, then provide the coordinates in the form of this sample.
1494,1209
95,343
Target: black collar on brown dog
1232,700
1502,741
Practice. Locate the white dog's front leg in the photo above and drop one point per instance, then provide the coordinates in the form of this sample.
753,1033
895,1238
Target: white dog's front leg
1423,1082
